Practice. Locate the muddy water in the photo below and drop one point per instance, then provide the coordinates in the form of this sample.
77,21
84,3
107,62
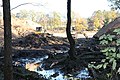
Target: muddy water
49,74
35,64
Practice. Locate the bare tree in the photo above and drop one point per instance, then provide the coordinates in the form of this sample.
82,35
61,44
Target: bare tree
8,69
72,51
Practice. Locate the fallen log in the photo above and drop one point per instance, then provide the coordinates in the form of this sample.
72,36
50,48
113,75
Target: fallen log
108,28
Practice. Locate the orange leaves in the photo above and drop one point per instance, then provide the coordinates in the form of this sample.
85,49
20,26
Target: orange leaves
81,24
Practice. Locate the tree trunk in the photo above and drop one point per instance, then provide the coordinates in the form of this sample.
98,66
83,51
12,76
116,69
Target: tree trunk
8,69
71,52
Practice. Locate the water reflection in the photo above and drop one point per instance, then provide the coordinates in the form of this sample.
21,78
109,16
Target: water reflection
28,61
48,74
84,74
35,64
32,66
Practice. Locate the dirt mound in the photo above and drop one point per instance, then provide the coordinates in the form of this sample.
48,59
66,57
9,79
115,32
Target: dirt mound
40,41
20,28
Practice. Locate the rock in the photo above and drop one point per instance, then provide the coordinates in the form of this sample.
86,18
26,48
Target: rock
108,28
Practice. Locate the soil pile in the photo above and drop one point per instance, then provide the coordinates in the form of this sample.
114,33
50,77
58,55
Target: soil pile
40,41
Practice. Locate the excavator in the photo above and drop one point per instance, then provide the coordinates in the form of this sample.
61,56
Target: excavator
38,30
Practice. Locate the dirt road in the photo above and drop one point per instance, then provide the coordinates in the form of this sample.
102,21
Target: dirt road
88,33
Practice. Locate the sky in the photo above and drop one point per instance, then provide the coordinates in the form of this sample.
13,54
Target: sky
84,8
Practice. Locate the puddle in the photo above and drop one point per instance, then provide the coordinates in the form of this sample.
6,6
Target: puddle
23,61
84,74
53,74
35,64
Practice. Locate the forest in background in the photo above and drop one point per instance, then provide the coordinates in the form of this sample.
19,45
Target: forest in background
56,20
